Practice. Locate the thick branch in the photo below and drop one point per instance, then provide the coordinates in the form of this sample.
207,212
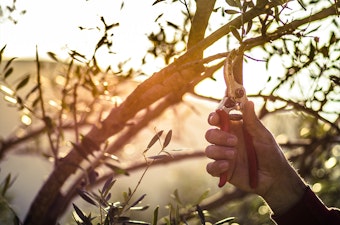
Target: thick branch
161,84
290,28
199,24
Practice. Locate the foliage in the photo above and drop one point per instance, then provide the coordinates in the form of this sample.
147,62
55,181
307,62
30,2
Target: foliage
7,215
92,115
11,12
115,213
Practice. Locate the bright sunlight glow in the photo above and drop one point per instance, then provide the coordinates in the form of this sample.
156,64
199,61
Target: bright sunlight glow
55,26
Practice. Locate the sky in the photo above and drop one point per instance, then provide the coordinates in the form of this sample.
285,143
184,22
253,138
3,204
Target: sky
53,26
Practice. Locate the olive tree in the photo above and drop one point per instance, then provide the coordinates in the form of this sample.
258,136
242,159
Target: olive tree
303,36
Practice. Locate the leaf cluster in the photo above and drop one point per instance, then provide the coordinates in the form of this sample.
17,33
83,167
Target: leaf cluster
115,213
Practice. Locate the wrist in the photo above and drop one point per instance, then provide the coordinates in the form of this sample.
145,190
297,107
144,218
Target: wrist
286,192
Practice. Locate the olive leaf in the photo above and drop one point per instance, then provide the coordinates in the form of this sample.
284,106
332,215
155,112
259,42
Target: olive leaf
167,139
153,140
23,82
234,31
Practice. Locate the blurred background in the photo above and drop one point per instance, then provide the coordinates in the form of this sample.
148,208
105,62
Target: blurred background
82,59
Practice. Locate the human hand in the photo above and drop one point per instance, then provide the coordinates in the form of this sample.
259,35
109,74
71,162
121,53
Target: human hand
278,183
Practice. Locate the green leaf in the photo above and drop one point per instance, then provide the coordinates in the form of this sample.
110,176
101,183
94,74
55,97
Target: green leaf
34,89
231,3
81,215
8,72
167,139
23,82
231,12
53,56
117,169
177,215
9,63
107,186
202,197
249,26
86,196
158,157
155,216
175,195
111,156
153,140
138,200
139,208
20,102
135,222
35,102
8,182
302,5
157,1
172,25
1,52
226,220
235,33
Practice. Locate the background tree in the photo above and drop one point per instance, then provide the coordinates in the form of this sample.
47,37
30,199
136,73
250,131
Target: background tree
293,33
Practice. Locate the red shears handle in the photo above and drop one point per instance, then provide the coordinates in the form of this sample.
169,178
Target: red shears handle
252,159
251,154
225,126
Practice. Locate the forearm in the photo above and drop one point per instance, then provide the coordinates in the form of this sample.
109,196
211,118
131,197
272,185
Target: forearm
294,203
288,189
309,210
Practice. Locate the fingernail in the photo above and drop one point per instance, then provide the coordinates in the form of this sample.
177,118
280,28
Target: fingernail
210,117
224,166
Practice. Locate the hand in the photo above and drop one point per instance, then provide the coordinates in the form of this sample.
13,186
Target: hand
278,182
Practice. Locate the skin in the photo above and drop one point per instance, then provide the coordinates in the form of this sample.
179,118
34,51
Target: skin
278,182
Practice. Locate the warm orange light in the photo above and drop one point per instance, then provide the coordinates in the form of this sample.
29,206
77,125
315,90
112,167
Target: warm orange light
6,90
10,99
25,119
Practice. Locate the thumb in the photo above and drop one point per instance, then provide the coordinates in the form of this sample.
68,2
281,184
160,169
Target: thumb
252,123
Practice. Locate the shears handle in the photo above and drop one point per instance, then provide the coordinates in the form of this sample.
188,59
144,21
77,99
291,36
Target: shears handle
225,126
252,159
251,153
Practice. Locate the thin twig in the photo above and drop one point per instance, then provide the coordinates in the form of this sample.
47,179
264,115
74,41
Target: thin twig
184,2
63,103
47,120
76,130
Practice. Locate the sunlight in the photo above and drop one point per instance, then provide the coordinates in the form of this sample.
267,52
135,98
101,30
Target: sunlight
6,90
25,119
317,187
10,99
25,37
330,163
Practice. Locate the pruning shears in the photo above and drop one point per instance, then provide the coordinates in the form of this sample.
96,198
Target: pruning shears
231,108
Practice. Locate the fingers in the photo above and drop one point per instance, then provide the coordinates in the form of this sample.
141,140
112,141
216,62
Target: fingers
217,152
213,119
216,168
222,151
223,157
218,137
